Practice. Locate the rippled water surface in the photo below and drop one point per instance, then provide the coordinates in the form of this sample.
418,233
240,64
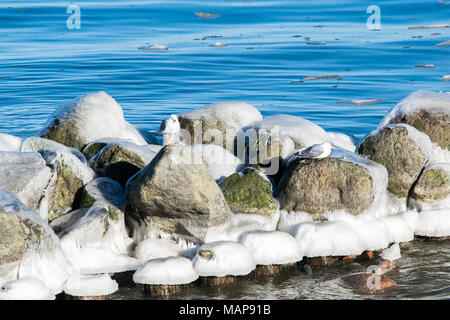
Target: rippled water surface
43,64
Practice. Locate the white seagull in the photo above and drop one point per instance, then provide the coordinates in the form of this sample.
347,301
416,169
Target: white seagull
316,151
170,130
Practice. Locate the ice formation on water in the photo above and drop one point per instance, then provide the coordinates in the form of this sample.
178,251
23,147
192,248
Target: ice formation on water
150,249
419,100
9,142
228,258
95,240
43,256
166,271
221,163
25,289
34,144
90,285
271,247
100,117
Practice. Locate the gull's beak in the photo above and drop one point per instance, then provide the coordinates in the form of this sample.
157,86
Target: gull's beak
333,147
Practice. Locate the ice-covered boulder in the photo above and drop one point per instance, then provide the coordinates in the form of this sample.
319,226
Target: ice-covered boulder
103,190
28,246
90,285
88,118
121,160
95,240
427,111
34,144
343,181
71,176
176,194
218,123
221,163
249,191
26,175
9,142
25,289
403,150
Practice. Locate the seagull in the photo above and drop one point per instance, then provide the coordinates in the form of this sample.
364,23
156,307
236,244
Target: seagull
170,130
316,151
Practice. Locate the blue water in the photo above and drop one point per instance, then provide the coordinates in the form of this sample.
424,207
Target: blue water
44,64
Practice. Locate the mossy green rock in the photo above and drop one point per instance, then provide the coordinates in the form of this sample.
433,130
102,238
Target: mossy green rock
249,192
118,163
324,185
434,124
432,185
176,194
396,150
93,148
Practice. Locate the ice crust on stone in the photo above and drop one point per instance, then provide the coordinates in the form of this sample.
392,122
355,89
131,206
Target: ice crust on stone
166,271
228,258
90,285
150,249
34,144
9,142
221,163
271,247
25,289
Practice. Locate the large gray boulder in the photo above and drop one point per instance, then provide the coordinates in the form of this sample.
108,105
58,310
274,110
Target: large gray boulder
88,118
317,186
433,183
403,150
220,121
177,195
428,112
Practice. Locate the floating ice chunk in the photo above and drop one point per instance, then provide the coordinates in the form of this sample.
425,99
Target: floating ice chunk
166,271
416,101
204,15
446,78
150,249
223,258
218,45
95,240
361,102
90,285
154,47
442,44
271,247
221,163
9,142
25,289
392,253
303,132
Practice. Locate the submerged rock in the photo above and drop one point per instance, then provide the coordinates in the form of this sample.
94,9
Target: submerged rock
368,283
121,160
323,185
403,150
428,112
218,123
71,176
26,175
249,191
176,194
88,118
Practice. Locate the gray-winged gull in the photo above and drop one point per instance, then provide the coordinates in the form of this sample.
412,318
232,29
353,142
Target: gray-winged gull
170,130
316,151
